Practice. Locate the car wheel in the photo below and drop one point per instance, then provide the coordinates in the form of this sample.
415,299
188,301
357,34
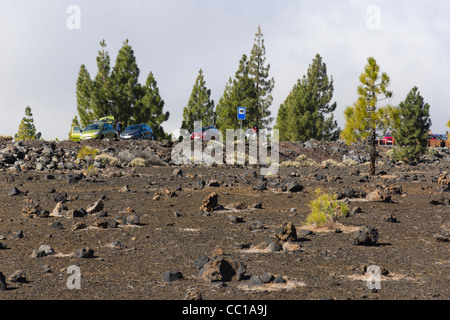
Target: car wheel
116,137
102,137
141,137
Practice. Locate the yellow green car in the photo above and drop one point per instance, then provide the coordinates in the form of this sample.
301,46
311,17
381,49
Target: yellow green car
108,119
75,132
99,131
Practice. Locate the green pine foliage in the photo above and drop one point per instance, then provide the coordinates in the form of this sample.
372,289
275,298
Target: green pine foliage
303,115
239,92
251,88
75,122
101,94
125,87
264,85
365,117
27,129
200,106
413,124
149,108
84,92
116,92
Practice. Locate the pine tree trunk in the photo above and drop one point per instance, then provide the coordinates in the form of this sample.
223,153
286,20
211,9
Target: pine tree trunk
372,141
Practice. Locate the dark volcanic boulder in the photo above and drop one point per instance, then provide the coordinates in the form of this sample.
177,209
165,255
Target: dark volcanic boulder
223,268
368,236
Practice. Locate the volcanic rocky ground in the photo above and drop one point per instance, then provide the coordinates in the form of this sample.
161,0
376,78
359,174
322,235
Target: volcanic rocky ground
166,232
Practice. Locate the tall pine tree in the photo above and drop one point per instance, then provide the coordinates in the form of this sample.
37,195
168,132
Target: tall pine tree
264,85
101,99
365,117
303,115
125,88
200,106
239,92
149,108
413,124
117,92
84,92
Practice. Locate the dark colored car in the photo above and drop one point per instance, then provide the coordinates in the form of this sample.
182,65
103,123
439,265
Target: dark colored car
137,132
205,133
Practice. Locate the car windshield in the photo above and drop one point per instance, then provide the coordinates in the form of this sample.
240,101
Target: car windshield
198,130
93,127
133,127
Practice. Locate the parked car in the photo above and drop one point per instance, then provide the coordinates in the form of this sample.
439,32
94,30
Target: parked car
205,133
99,131
137,132
432,136
387,139
75,133
108,119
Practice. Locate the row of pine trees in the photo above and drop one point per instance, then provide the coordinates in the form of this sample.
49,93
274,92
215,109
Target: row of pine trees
307,112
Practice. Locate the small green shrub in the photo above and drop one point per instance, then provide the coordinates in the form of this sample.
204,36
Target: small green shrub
326,209
87,151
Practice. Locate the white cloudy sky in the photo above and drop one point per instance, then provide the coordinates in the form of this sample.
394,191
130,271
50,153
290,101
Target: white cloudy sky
40,57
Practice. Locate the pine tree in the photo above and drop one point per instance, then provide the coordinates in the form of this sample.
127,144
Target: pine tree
200,106
75,122
239,92
303,114
101,99
149,108
411,133
282,119
27,130
84,91
124,88
320,88
263,85
365,117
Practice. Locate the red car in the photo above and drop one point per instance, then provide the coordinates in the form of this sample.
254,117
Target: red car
205,133
388,139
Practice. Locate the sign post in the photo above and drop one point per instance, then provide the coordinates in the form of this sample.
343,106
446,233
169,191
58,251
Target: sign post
241,114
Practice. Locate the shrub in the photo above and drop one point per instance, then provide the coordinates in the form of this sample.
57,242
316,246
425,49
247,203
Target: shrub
350,162
107,160
138,162
331,163
326,209
301,161
6,137
87,151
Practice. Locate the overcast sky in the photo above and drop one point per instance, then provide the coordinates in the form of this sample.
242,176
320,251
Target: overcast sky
41,54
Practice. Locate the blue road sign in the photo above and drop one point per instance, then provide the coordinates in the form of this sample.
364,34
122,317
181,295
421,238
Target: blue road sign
241,113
